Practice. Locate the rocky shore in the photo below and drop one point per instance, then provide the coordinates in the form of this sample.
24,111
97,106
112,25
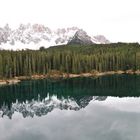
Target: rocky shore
9,81
57,75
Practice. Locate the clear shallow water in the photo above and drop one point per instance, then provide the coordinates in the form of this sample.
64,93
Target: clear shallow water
106,108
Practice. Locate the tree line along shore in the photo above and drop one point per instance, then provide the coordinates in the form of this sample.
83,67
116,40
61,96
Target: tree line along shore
70,61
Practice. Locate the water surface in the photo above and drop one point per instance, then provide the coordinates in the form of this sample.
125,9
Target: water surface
105,108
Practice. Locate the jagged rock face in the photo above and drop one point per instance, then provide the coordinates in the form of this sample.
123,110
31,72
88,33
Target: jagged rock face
33,36
36,35
81,38
4,34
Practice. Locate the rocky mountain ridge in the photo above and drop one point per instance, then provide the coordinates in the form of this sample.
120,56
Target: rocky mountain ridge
28,36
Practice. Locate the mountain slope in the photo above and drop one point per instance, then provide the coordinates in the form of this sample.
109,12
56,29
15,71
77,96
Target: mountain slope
81,38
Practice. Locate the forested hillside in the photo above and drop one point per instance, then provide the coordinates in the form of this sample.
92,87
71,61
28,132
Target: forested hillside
70,59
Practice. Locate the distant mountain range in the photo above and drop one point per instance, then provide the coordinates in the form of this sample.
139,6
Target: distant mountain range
28,36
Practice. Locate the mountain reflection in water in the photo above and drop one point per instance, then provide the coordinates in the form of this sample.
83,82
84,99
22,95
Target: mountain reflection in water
38,97
42,107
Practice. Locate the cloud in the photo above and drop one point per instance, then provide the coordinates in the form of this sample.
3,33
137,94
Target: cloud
118,20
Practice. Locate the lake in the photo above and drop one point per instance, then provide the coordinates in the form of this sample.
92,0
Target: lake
103,108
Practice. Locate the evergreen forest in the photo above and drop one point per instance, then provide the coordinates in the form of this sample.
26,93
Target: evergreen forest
70,59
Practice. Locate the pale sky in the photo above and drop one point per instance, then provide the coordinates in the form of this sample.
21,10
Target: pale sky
118,20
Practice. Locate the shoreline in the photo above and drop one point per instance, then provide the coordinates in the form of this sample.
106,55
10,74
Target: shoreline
59,75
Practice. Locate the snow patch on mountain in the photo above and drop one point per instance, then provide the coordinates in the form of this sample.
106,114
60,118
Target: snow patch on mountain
100,39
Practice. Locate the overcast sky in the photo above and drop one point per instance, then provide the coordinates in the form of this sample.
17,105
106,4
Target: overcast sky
118,20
